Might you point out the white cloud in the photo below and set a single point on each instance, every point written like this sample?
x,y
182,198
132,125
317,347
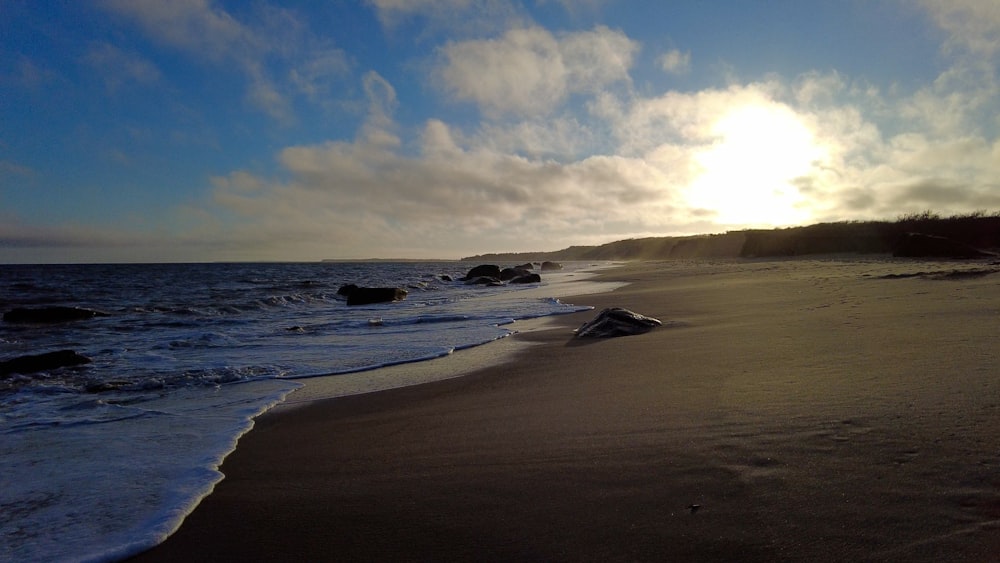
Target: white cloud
x,y
643,124
463,192
379,129
210,34
530,71
675,61
314,77
931,161
451,201
192,25
562,137
457,195
901,152
972,25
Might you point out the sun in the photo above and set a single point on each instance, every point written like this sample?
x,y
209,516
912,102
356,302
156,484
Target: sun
x,y
746,176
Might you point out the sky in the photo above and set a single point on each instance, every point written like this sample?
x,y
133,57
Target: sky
x,y
217,130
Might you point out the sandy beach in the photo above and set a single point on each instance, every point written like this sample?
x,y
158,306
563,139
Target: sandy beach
x,y
789,410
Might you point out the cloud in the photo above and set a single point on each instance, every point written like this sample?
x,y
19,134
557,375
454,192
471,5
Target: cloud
x,y
972,25
315,76
873,155
378,129
466,18
929,161
456,194
194,26
675,61
449,199
809,148
686,118
574,7
119,68
308,64
530,71
561,137
900,152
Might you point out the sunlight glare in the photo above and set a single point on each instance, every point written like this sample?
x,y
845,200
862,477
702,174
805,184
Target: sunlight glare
x,y
747,173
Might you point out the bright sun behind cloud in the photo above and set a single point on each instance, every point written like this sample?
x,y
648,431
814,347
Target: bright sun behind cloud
x,y
747,173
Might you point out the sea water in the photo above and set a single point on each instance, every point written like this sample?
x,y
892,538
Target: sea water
x,y
103,460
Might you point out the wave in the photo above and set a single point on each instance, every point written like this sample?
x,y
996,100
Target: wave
x,y
190,354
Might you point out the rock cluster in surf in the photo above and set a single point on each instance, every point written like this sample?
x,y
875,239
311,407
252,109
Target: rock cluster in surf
x,y
493,275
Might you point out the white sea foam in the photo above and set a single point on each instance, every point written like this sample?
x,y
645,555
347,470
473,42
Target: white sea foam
x,y
77,492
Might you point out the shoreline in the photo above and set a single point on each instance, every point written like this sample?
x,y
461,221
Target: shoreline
x,y
789,410
461,362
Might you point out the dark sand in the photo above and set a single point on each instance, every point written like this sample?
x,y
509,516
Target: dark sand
x,y
790,410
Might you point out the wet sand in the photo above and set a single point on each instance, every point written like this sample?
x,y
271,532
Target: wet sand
x,y
788,410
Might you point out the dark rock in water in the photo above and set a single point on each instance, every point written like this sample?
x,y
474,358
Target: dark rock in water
x,y
347,289
527,278
484,280
526,266
42,362
617,322
511,273
446,277
919,245
104,386
367,295
546,266
484,270
50,315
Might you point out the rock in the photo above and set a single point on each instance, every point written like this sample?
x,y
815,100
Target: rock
x,y
484,280
527,278
919,245
511,273
484,270
546,266
42,362
617,322
46,315
367,295
104,386
446,278
526,266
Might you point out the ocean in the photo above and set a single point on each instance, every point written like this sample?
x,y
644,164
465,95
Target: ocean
x,y
104,460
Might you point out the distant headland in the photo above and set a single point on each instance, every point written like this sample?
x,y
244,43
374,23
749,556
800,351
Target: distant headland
x,y
926,234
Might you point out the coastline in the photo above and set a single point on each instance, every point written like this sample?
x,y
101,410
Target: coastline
x,y
790,410
582,282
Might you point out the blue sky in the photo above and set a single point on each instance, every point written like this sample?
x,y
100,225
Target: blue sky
x,y
190,130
